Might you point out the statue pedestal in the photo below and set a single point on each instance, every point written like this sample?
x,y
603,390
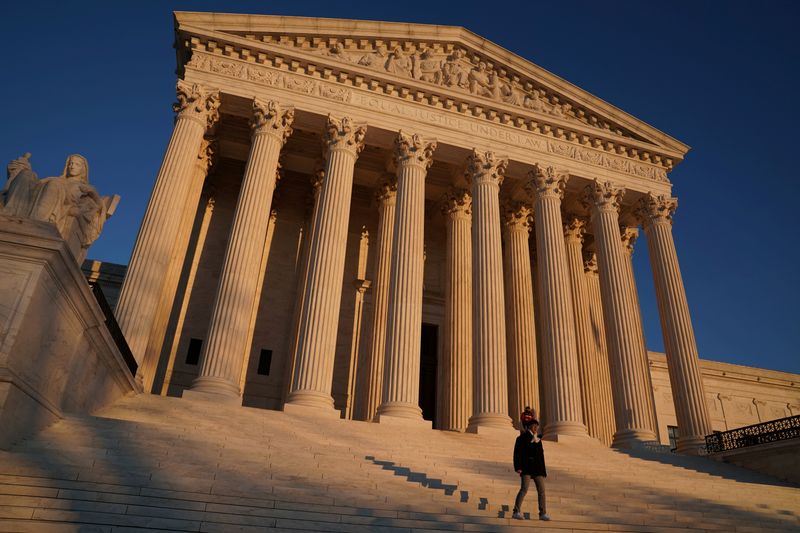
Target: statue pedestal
x,y
56,353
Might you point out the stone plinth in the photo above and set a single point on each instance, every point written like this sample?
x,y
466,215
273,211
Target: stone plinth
x,y
56,354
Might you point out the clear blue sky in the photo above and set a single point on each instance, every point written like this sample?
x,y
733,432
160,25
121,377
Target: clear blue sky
x,y
722,76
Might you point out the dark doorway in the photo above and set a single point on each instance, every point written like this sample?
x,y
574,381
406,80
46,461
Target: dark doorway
x,y
427,371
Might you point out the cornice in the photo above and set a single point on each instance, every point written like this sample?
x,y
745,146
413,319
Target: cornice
x,y
740,373
212,32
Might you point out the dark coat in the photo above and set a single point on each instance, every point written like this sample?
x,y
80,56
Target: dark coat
x,y
529,456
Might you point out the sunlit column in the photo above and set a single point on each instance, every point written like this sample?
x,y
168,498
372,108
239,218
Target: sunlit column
x,y
197,110
400,395
316,343
633,404
229,334
559,358
676,324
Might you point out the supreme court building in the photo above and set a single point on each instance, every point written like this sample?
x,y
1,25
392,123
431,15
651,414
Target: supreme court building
x,y
399,221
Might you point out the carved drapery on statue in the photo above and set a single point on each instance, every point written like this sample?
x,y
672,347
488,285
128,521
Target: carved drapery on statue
x,y
67,201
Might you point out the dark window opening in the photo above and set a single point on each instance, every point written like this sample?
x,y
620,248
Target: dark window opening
x,y
427,371
193,354
673,433
264,362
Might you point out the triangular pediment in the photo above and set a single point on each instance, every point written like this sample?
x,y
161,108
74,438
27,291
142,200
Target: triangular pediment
x,y
444,66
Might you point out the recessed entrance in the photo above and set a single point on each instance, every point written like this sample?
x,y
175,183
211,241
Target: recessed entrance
x,y
427,371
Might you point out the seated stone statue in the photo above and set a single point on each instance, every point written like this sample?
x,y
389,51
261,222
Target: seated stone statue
x,y
67,201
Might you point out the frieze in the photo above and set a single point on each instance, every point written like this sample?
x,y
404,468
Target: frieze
x,y
248,71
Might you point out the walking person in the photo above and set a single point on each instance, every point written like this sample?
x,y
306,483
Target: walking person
x,y
529,464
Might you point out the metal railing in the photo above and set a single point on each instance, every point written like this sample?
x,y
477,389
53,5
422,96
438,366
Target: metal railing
x,y
113,328
764,433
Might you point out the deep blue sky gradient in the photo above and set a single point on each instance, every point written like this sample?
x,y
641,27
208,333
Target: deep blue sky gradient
x,y
98,78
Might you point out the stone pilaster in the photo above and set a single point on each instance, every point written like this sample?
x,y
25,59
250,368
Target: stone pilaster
x,y
400,395
605,399
372,385
319,318
559,360
523,388
587,360
229,334
485,172
197,110
676,324
455,386
633,406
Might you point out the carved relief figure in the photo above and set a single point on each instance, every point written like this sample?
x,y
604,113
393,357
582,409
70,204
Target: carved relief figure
x,y
398,63
427,67
453,73
376,59
479,81
59,200
336,51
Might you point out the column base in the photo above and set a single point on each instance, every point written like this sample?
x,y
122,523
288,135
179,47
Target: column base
x,y
310,398
483,422
405,410
216,387
564,431
203,396
691,445
632,438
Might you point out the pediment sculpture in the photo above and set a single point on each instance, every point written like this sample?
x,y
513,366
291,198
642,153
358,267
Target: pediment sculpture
x,y
67,201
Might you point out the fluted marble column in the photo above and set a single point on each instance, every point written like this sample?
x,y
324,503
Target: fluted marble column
x,y
485,172
370,392
316,342
229,335
676,324
605,399
628,237
400,395
197,110
587,360
455,386
155,342
560,361
633,406
523,388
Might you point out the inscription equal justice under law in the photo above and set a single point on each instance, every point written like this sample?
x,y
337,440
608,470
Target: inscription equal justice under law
x,y
302,84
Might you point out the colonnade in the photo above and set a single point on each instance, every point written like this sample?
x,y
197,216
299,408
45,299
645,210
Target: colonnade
x,y
592,346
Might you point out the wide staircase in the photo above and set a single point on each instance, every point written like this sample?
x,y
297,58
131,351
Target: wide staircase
x,y
151,463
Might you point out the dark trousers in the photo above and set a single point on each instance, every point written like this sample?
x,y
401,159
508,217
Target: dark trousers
x,y
525,481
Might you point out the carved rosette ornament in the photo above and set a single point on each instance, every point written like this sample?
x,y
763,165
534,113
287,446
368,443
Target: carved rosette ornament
x,y
574,229
269,117
197,102
547,182
486,167
413,150
457,202
657,209
344,134
517,216
604,195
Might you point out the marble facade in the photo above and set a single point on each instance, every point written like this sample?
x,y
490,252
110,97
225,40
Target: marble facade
x,y
405,223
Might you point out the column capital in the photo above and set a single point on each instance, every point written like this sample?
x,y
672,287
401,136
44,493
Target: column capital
x,y
517,216
344,134
629,234
590,262
207,156
603,195
412,149
387,190
269,117
318,175
657,209
574,229
457,202
197,102
485,167
546,182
